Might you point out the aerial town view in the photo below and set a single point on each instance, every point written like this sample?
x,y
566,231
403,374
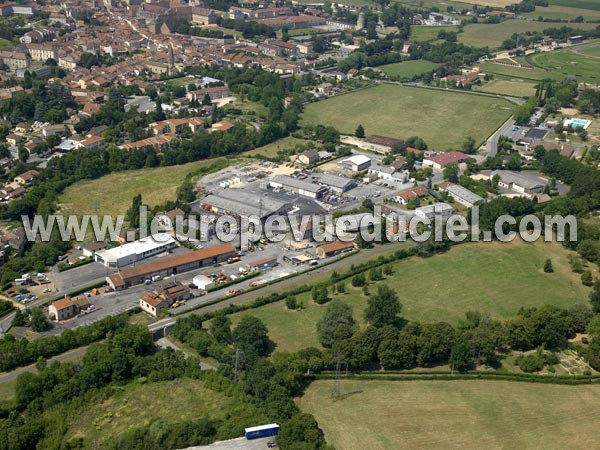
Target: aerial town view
x,y
299,224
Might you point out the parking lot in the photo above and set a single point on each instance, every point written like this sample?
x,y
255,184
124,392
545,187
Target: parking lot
x,y
236,444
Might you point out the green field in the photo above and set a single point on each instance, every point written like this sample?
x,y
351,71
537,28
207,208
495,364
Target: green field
x,y
553,12
583,4
409,69
572,61
5,43
592,50
137,405
444,119
7,390
112,194
517,88
495,278
423,33
492,35
287,143
509,72
454,415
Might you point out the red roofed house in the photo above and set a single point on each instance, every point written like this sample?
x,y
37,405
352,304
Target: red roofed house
x,y
67,307
407,195
443,159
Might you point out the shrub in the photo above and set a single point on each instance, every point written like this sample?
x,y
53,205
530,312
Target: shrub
x,y
291,302
552,359
531,363
358,280
587,279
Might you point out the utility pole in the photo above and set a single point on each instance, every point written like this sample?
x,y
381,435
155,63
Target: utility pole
x,y
339,360
238,358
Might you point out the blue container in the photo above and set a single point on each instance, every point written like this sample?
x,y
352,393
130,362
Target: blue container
x,y
261,431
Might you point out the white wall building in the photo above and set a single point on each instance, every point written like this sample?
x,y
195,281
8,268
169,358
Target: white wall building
x,y
132,252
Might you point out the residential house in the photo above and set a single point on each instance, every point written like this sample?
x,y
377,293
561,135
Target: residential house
x,y
404,197
26,177
309,157
443,159
164,297
67,307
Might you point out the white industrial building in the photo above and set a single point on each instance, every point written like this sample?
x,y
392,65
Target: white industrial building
x,y
463,196
357,163
300,187
203,282
132,252
441,210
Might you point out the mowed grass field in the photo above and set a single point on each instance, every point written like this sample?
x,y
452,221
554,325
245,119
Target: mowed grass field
x,y
465,414
112,194
444,119
495,278
535,74
409,69
554,12
584,4
492,35
422,33
270,150
572,61
518,88
137,405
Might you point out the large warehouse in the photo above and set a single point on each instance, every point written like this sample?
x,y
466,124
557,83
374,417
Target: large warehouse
x,y
300,187
172,265
240,203
133,252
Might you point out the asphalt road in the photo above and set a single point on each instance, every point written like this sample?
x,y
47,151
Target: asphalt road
x,y
492,142
76,353
288,283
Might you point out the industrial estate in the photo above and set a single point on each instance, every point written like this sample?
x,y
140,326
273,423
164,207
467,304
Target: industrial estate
x,y
188,128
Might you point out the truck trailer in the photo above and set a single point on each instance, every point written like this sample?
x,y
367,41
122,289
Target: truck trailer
x,y
261,431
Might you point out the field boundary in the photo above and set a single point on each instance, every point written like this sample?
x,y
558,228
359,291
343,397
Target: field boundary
x,y
475,375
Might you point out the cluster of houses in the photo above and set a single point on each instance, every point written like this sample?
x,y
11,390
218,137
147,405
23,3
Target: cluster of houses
x,y
17,187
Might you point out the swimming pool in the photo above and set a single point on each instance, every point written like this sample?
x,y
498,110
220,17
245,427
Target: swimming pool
x,y
577,123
